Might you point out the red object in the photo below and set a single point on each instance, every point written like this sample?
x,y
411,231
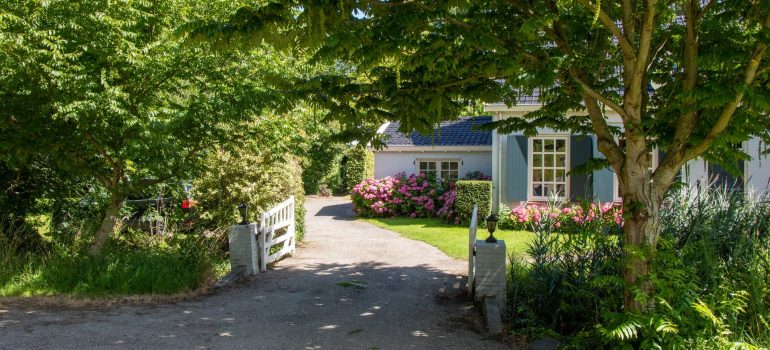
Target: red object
x,y
186,204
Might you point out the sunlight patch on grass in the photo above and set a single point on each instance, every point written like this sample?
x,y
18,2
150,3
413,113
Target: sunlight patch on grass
x,y
450,239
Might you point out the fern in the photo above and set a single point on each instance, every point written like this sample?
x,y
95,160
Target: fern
x,y
627,330
705,311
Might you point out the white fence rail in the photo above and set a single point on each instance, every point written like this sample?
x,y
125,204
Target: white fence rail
x,y
281,216
472,250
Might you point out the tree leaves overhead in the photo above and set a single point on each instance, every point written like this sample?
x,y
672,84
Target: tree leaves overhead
x,y
422,62
109,87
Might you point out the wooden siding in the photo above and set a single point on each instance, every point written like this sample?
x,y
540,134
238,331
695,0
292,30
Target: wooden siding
x,y
516,169
581,183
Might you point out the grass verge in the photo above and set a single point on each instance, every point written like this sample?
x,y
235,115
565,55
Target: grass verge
x,y
136,266
450,239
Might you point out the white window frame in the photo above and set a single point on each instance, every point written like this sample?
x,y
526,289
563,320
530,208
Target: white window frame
x,y
438,161
616,183
567,165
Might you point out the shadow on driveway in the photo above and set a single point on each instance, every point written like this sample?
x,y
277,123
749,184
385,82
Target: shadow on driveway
x,y
363,305
343,212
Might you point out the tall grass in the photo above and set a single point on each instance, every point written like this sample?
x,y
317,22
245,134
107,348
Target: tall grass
x,y
131,264
721,238
711,276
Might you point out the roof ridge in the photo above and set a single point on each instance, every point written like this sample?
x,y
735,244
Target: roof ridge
x,y
458,132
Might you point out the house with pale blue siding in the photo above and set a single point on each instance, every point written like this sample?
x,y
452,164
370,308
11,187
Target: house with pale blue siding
x,y
531,169
454,149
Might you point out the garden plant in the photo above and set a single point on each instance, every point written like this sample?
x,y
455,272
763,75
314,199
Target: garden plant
x,y
711,277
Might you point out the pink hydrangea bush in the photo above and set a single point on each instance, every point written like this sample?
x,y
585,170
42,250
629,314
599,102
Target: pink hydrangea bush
x,y
416,196
374,198
569,218
412,196
447,210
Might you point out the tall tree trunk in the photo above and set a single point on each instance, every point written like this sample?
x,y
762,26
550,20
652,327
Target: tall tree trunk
x,y
641,232
108,224
642,201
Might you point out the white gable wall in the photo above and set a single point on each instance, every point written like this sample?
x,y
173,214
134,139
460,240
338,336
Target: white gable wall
x,y
696,171
758,168
391,163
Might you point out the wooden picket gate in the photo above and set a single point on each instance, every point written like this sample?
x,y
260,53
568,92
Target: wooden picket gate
x,y
281,216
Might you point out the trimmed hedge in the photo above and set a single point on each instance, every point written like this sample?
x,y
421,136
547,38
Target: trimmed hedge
x,y
470,192
357,166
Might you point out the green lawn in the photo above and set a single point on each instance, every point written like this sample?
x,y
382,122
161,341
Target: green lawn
x,y
450,239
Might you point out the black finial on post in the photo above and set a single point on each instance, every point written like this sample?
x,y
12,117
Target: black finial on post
x,y
491,225
243,209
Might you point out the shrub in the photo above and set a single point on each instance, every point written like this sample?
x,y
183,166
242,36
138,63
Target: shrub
x,y
321,168
357,165
130,264
568,218
711,277
447,200
568,279
505,218
242,176
418,195
470,193
372,197
325,191
413,196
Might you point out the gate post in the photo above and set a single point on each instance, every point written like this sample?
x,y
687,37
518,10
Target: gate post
x,y
490,282
243,247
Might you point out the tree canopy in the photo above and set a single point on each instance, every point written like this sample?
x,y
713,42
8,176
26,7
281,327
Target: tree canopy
x,y
690,77
115,92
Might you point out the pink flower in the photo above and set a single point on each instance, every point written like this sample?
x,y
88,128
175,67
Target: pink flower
x,y
536,217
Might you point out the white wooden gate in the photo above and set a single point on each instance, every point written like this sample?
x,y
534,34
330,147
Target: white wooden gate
x,y
472,250
281,216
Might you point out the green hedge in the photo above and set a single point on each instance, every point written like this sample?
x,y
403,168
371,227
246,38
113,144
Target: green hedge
x,y
357,165
322,168
470,192
244,176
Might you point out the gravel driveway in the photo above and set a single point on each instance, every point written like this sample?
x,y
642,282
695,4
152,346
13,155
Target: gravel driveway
x,y
350,286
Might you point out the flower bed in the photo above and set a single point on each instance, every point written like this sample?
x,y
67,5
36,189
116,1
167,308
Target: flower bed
x,y
420,196
416,196
569,218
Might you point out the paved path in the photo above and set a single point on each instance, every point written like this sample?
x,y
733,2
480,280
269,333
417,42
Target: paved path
x,y
349,286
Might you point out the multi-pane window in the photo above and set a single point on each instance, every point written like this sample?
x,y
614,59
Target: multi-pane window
x,y
447,170
428,168
450,171
549,164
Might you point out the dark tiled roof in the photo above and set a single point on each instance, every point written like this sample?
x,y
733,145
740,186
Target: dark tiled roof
x,y
453,133
533,99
